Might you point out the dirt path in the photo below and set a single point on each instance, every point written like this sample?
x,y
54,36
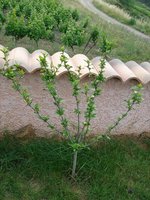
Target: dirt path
x,y
89,5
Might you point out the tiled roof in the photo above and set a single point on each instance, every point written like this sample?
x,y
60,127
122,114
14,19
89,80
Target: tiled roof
x,y
114,69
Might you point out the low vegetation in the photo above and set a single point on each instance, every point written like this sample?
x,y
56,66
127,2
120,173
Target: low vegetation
x,y
36,169
126,46
136,8
46,20
147,2
76,136
137,21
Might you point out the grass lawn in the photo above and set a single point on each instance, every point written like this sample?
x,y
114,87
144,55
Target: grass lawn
x,y
38,169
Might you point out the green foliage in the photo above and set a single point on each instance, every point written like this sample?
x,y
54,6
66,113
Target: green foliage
x,y
124,49
146,2
36,30
134,7
44,19
2,18
127,3
74,36
38,169
5,4
16,26
136,15
106,46
75,138
75,15
93,39
132,21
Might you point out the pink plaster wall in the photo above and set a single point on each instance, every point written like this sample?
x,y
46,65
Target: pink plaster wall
x,y
14,114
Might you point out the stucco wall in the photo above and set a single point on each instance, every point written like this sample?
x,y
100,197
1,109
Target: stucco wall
x,y
14,114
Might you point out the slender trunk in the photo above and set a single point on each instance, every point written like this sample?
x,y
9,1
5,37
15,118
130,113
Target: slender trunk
x,y
37,44
15,41
86,45
72,49
90,48
75,156
78,117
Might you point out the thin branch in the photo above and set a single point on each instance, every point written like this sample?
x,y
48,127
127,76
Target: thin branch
x,y
20,90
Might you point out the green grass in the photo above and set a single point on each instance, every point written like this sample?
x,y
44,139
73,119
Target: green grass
x,y
137,8
125,17
38,169
112,11
126,46
146,2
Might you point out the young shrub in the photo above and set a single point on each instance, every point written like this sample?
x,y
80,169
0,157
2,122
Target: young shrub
x,y
74,36
132,21
36,29
93,38
75,15
5,4
15,26
2,18
76,139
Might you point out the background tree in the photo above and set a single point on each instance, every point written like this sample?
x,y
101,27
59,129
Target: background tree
x,y
75,15
2,17
93,38
46,19
5,4
36,30
74,36
15,26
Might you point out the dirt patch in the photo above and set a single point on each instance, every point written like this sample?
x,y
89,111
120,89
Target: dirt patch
x,y
28,132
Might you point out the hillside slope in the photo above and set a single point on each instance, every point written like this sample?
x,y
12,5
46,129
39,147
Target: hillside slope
x,y
98,3
125,45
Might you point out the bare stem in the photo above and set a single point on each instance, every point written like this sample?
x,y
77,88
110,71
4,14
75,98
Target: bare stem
x,y
90,48
78,115
15,83
75,156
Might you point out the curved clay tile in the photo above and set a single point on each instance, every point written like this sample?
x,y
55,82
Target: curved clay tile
x,y
146,66
109,71
122,70
34,63
139,71
56,62
115,68
19,56
81,60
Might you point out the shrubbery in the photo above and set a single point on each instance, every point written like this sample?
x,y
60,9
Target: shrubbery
x,y
48,20
76,138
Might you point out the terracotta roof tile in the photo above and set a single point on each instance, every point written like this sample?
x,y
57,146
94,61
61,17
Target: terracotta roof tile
x,y
139,71
81,60
34,63
113,69
55,58
120,67
146,66
109,70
